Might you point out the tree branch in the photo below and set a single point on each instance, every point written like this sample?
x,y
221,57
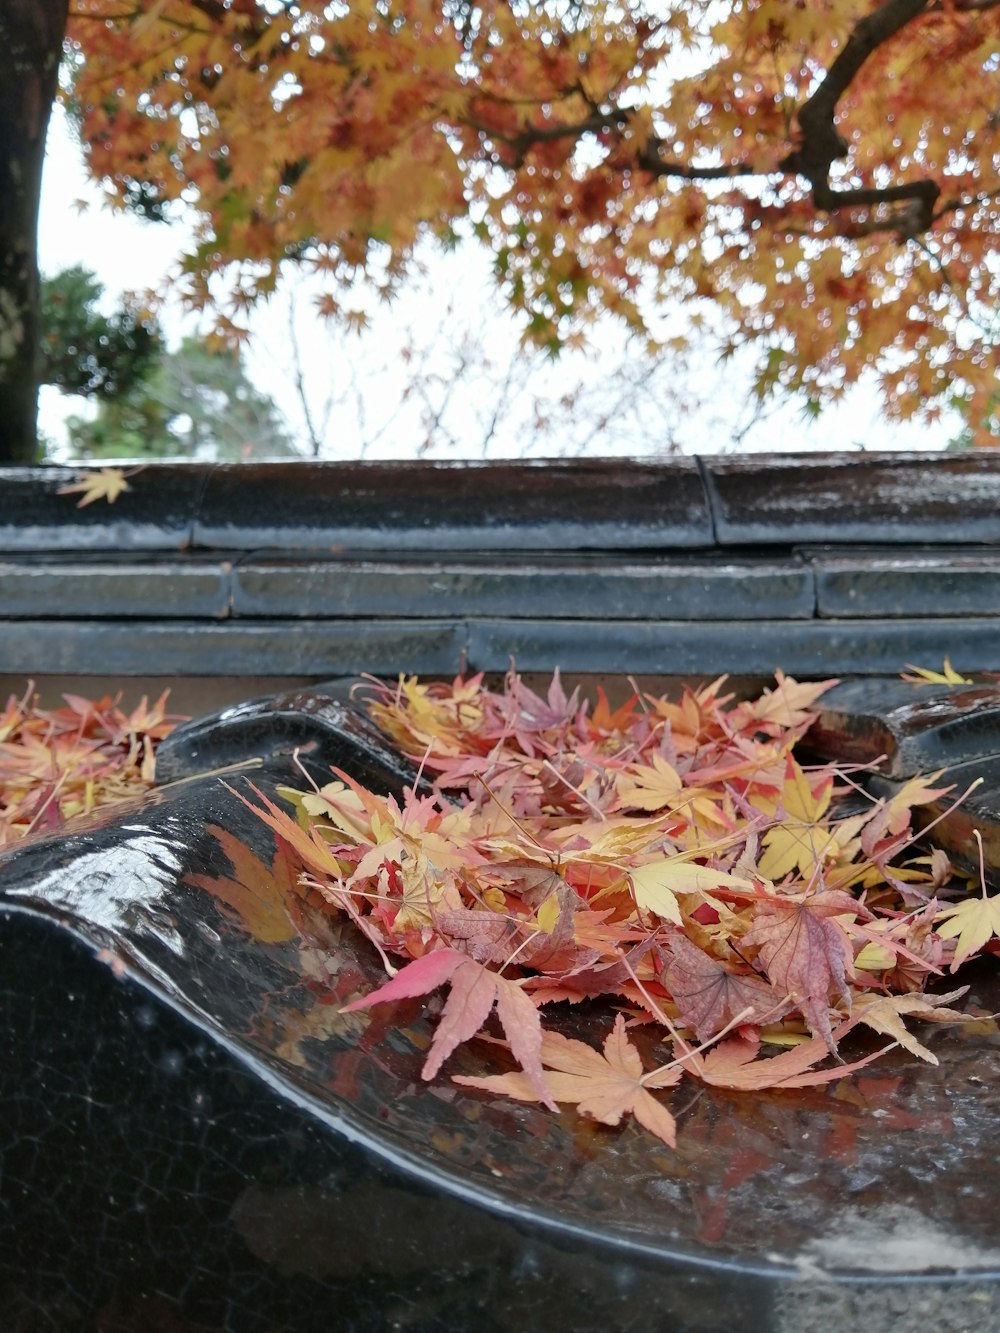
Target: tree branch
x,y
650,160
822,145
521,143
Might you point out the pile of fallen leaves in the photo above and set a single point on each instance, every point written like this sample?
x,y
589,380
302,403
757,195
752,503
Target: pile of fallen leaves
x,y
674,858
56,763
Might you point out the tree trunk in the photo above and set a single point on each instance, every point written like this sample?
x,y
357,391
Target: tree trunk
x,y
31,37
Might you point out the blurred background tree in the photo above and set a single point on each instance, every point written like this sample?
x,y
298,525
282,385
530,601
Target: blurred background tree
x,y
81,350
193,403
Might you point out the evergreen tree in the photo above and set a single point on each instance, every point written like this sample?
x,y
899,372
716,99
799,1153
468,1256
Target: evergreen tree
x,y
82,351
195,403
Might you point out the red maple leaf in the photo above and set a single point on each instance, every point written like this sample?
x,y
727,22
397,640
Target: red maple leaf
x,y
709,993
806,952
474,991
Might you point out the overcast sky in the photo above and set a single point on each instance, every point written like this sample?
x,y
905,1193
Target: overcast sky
x,y
438,372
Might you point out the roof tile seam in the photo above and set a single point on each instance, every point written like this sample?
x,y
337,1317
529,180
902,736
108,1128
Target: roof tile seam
x,y
711,498
207,474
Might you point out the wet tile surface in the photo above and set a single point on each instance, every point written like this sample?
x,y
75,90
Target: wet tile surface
x,y
196,1133
891,499
226,648
817,649
706,565
156,513
533,585
274,728
546,506
76,586
870,582
907,731
917,728
252,646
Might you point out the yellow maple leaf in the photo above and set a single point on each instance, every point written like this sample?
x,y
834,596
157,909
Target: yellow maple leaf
x,y
802,839
947,676
656,884
974,922
107,483
653,786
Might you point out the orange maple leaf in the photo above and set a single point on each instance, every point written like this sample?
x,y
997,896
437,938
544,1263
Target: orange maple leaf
x,y
604,719
257,894
735,1064
603,1086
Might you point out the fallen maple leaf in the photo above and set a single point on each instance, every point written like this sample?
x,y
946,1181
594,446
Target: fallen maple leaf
x,y
946,676
734,1063
801,839
974,922
474,991
603,1086
653,786
656,885
534,859
787,705
107,483
258,895
307,843
709,994
806,952
884,1013
56,763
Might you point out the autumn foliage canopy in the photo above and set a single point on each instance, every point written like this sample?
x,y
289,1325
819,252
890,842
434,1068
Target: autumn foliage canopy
x,y
816,179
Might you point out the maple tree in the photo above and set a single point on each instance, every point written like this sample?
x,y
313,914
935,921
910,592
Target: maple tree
x,y
822,173
83,351
672,857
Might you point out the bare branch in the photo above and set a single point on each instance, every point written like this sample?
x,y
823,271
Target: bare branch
x,y
298,376
521,143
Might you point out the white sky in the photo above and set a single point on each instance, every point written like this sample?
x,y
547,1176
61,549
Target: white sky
x,y
438,373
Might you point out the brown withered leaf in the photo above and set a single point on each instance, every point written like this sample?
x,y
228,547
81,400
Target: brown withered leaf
x,y
255,894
